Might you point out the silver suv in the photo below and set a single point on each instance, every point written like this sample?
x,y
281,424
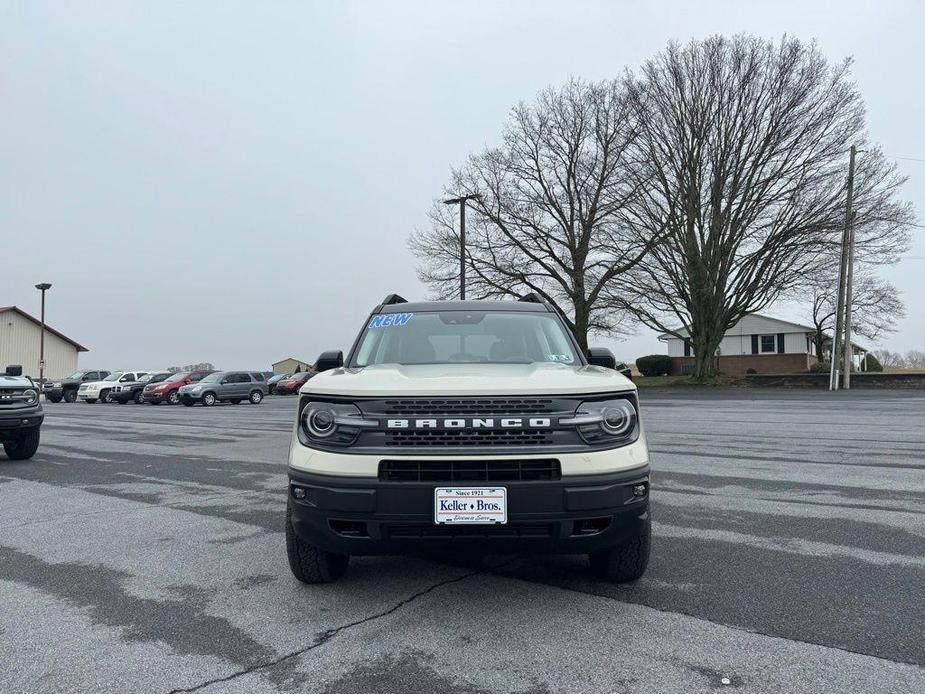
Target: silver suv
x,y
226,386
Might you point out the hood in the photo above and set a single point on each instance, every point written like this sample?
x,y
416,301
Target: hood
x,y
14,382
468,379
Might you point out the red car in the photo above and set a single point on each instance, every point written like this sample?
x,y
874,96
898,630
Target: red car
x,y
168,391
293,383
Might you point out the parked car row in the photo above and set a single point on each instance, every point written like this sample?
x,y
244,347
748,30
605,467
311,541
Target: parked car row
x,y
203,387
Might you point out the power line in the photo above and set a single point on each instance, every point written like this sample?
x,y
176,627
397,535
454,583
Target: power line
x,y
891,156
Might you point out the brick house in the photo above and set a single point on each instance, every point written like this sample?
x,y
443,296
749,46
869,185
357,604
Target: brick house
x,y
767,345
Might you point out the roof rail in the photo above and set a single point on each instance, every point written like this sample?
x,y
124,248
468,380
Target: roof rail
x,y
394,299
532,298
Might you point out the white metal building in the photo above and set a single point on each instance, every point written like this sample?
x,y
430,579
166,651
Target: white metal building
x,y
20,337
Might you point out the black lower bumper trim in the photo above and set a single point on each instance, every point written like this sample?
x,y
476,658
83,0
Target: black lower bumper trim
x,y
368,516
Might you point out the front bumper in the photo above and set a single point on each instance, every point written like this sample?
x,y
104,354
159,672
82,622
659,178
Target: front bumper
x,y
14,422
369,516
155,397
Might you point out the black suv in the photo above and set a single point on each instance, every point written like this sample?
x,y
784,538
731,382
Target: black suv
x,y
134,390
66,388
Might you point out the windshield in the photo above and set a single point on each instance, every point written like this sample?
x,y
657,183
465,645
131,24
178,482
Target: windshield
x,y
463,337
76,375
154,378
177,377
212,378
114,376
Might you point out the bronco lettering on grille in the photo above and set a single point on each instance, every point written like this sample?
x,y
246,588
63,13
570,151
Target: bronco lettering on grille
x,y
471,423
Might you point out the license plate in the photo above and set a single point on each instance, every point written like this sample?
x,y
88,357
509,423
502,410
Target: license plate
x,y
475,505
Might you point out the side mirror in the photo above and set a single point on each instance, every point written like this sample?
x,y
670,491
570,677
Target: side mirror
x,y
333,359
14,370
601,356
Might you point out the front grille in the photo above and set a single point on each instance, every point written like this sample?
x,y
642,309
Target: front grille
x,y
473,406
426,531
469,470
476,437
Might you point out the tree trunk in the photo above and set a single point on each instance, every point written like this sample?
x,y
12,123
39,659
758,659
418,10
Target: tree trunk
x,y
582,319
817,344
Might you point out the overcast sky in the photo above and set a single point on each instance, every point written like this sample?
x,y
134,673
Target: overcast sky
x,y
236,182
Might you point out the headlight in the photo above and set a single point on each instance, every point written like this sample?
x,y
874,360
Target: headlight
x,y
606,421
30,396
332,423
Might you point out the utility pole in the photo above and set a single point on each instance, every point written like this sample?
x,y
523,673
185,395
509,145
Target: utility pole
x,y
849,350
461,201
42,287
842,278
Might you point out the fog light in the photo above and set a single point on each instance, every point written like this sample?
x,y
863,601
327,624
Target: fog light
x,y
640,489
298,492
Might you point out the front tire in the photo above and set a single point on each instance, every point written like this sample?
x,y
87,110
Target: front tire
x,y
256,397
208,399
138,398
308,563
70,395
106,397
624,562
173,397
24,447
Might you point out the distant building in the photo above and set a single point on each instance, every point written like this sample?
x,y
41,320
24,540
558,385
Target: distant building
x,y
20,338
289,365
767,345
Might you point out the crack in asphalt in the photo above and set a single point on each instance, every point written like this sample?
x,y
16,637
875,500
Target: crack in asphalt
x,y
325,636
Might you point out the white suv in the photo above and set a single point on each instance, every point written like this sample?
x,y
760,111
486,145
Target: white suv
x,y
467,425
92,391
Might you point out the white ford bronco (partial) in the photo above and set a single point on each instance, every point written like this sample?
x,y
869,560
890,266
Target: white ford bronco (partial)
x,y
467,426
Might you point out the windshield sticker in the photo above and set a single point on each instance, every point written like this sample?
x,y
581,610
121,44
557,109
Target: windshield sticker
x,y
390,320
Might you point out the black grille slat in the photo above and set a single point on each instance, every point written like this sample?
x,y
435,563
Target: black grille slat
x,y
469,470
416,407
469,437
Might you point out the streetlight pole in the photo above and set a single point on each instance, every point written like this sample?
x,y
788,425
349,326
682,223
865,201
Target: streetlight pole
x,y
461,201
42,287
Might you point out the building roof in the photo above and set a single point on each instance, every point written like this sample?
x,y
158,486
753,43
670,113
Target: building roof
x,y
802,328
16,309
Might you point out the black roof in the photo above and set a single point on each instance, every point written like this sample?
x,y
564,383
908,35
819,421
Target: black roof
x,y
415,306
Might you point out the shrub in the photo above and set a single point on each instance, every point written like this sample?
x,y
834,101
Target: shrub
x,y
873,364
654,365
821,367
750,371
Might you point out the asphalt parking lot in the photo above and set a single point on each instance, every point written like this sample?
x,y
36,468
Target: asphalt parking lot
x,y
142,550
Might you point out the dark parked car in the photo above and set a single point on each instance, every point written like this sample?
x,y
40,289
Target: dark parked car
x,y
66,388
226,386
168,390
21,414
272,381
134,391
292,384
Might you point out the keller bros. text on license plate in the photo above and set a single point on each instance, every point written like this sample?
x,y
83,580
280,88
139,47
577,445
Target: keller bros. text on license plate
x,y
470,505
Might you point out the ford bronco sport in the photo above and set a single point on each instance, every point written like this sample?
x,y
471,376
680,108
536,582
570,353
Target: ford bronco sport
x,y
467,426
20,414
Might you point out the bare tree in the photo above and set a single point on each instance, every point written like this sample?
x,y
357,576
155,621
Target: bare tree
x,y
915,359
891,360
744,143
876,306
550,217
